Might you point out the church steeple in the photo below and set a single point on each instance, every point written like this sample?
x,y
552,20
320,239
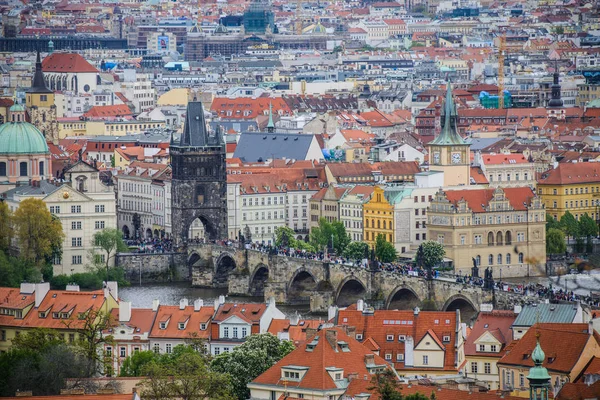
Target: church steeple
x,y
38,85
539,379
449,136
556,100
271,124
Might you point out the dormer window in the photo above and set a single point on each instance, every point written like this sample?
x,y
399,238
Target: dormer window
x,y
203,327
55,315
482,347
390,338
163,325
493,348
359,336
65,315
446,339
181,326
42,314
401,338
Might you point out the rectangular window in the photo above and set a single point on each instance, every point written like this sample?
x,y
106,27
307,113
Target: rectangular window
x,y
122,352
473,367
493,348
75,209
425,360
109,351
487,368
235,332
226,332
76,260
76,242
99,225
99,208
168,348
245,330
54,209
76,225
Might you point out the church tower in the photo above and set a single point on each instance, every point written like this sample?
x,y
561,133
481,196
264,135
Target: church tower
x,y
199,180
539,380
449,152
555,105
40,103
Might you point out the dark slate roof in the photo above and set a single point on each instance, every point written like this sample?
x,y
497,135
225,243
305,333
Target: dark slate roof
x,y
195,133
254,146
38,85
481,143
44,188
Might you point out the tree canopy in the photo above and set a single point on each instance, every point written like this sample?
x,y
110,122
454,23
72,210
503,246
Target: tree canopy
x,y
248,361
587,226
555,241
357,251
110,242
6,228
321,236
569,224
430,254
385,251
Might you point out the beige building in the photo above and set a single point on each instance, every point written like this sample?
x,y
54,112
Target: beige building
x,y
68,127
500,229
84,206
507,170
324,204
351,210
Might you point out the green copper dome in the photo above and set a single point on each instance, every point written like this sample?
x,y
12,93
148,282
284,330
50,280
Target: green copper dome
x,y
17,108
21,138
538,372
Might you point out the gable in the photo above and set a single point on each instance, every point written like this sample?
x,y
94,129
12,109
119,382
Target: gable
x,y
65,194
428,342
234,319
487,338
81,167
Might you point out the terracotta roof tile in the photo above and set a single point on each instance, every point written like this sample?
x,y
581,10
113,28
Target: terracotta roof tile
x,y
67,62
496,322
173,316
478,197
119,110
571,173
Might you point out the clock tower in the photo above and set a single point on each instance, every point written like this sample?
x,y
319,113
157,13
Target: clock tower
x,y
448,152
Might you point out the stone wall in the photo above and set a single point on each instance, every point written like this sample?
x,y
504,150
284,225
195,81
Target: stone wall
x,y
163,267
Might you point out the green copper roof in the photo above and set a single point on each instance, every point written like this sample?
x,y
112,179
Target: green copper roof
x,y
538,372
271,124
17,108
21,138
449,136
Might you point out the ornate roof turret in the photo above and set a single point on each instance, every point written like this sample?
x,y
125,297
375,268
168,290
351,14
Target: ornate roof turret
x,y
38,84
271,124
556,100
449,136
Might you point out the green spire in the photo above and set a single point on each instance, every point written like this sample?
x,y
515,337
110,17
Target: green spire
x,y
271,124
538,373
449,136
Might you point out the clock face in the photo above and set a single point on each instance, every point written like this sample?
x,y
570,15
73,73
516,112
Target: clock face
x,y
455,158
436,157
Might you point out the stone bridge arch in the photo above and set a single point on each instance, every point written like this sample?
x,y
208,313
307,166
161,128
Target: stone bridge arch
x,y
224,264
258,280
349,291
403,298
468,310
302,283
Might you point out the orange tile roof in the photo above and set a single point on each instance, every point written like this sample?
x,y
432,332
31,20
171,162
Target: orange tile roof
x,y
297,333
563,344
367,169
400,322
324,354
173,315
357,135
251,312
141,318
14,299
478,197
579,391
62,301
478,176
571,173
75,397
498,159
67,62
118,110
248,108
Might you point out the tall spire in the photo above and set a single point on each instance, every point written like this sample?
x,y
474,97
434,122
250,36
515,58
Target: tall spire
x,y
539,379
271,124
38,85
449,135
556,100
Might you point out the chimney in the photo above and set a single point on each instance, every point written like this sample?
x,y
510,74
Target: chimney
x,y
517,309
112,288
351,331
27,288
216,305
369,359
221,299
331,336
310,332
183,303
294,319
198,303
124,311
72,287
155,304
331,312
417,311
409,351
41,290
271,302
134,394
360,305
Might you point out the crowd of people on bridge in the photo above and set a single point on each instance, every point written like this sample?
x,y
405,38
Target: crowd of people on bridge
x,y
150,245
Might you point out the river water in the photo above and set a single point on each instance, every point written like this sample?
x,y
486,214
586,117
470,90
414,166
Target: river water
x,y
171,293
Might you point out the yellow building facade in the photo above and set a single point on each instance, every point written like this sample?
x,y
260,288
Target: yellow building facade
x,y
378,218
571,186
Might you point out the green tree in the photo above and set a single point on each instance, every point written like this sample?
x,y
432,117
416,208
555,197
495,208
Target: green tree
x,y
188,379
388,387
555,241
569,224
321,236
36,340
6,228
38,233
356,250
385,251
13,271
552,223
587,226
248,361
134,364
430,254
110,242
284,236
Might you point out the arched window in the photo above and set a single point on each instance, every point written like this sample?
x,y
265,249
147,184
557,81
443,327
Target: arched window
x,y
478,260
499,239
23,168
2,168
199,195
378,224
490,239
507,258
520,258
41,168
491,259
499,259
508,238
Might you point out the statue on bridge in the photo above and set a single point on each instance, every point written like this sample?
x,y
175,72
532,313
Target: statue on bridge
x,y
488,281
475,269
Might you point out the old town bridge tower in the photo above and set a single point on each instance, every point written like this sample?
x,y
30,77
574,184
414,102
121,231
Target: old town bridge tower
x,y
199,180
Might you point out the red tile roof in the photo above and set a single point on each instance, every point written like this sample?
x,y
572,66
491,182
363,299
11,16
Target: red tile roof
x,y
478,176
498,159
477,198
67,62
563,344
248,108
579,391
141,318
297,333
320,352
498,323
571,173
75,397
399,322
251,312
173,315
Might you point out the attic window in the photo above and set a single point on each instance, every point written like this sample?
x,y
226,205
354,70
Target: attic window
x,y
551,360
203,327
446,339
525,356
42,315
163,325
55,315
401,338
181,326
359,336
344,347
390,338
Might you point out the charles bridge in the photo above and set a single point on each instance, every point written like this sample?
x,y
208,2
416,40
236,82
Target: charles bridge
x,y
293,280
